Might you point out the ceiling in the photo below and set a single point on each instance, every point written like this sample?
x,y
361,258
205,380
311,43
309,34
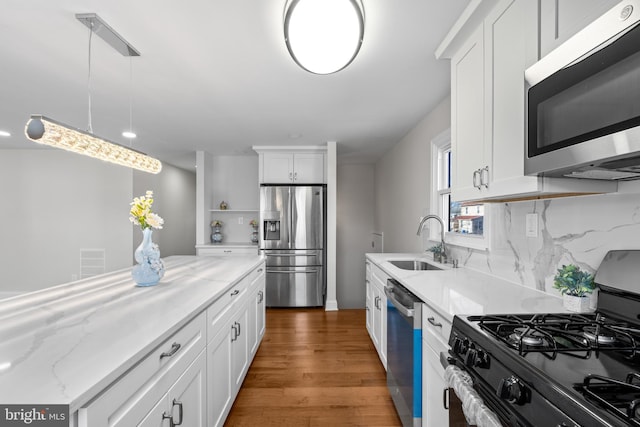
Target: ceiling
x,y
215,75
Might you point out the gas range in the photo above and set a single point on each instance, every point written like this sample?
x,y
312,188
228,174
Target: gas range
x,y
560,369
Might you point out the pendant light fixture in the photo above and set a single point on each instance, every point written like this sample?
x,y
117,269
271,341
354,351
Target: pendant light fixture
x,y
323,36
46,131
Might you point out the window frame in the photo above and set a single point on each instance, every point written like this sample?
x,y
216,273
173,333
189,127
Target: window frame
x,y
439,145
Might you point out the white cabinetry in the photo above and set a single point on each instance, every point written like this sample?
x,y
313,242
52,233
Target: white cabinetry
x,y
166,385
377,312
435,335
226,250
236,322
561,19
489,54
286,165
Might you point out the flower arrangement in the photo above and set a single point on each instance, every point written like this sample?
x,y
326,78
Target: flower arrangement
x,y
253,223
140,213
216,223
570,280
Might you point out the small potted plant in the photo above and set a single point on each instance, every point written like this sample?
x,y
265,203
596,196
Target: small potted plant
x,y
575,286
437,252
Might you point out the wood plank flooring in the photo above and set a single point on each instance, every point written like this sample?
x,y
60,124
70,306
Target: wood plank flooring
x,y
315,368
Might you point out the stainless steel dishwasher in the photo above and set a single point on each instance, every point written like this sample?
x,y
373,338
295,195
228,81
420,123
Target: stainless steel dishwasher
x,y
404,352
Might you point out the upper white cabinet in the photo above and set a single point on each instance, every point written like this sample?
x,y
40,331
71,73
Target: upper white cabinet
x,y
292,165
490,47
560,19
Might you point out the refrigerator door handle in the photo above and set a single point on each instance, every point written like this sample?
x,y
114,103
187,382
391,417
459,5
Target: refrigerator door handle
x,y
290,255
291,271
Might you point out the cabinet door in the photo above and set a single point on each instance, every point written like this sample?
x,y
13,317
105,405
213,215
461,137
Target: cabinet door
x,y
277,168
510,46
260,316
187,397
239,348
369,306
308,168
219,384
467,118
158,416
434,413
561,19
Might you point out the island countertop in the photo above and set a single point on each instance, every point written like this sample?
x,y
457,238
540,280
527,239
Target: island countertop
x,y
65,344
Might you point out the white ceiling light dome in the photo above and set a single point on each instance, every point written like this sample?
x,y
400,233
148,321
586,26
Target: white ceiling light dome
x,y
323,36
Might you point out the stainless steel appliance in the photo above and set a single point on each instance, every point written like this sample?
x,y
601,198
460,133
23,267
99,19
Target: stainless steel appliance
x,y
560,369
583,102
404,352
292,237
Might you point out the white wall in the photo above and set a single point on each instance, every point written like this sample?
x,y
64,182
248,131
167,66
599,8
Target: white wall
x,y
174,192
355,221
53,204
403,180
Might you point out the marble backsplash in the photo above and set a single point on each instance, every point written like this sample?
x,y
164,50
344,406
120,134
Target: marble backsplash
x,y
574,230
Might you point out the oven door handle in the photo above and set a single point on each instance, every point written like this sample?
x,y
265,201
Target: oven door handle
x,y
408,312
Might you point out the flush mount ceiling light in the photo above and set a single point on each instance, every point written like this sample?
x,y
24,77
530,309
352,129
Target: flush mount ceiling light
x,y
323,36
46,131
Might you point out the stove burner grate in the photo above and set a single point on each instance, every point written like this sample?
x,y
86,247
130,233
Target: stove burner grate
x,y
620,397
574,334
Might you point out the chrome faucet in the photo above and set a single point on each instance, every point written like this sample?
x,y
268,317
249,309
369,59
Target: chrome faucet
x,y
436,217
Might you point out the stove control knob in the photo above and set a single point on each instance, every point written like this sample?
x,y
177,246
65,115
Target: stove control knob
x,y
512,390
460,346
471,357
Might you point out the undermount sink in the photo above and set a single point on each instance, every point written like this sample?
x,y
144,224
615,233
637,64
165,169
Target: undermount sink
x,y
414,265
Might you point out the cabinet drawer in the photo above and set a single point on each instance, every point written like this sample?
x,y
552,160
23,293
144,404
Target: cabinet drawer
x,y
379,275
231,298
367,270
137,391
435,325
227,251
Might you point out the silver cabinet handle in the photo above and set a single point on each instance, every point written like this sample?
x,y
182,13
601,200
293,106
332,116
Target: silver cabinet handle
x,y
239,329
174,349
180,413
432,320
235,333
484,172
295,176
260,270
235,292
166,416
476,176
290,176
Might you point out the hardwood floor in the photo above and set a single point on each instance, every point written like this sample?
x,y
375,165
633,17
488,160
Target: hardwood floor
x,y
315,368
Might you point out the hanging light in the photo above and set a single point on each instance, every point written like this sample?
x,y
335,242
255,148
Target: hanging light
x,y
323,36
49,132
46,131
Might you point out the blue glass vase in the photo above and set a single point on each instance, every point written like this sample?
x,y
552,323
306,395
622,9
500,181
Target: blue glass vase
x,y
150,267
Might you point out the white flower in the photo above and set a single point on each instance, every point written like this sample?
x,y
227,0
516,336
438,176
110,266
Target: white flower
x,y
155,221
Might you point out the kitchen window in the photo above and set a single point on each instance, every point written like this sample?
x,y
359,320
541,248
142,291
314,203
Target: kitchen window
x,y
466,223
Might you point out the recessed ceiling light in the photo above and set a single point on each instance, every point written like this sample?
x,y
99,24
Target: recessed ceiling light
x,y
4,133
128,134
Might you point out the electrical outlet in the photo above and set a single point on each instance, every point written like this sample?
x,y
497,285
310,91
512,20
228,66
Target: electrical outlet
x,y
240,220
531,225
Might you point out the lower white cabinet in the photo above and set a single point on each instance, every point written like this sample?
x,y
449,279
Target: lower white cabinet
x,y
435,334
226,250
185,402
193,377
377,311
175,370
238,332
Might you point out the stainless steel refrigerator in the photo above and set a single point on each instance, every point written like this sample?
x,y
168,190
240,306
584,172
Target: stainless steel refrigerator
x,y
292,238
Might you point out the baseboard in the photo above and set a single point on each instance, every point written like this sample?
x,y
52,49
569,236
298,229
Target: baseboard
x,y
331,305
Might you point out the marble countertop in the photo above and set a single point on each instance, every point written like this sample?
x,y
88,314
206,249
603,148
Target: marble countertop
x,y
65,344
454,291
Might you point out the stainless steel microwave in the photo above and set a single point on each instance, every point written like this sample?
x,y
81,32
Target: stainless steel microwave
x,y
583,102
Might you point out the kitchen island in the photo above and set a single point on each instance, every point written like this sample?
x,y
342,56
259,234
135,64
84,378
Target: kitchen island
x,y
72,344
